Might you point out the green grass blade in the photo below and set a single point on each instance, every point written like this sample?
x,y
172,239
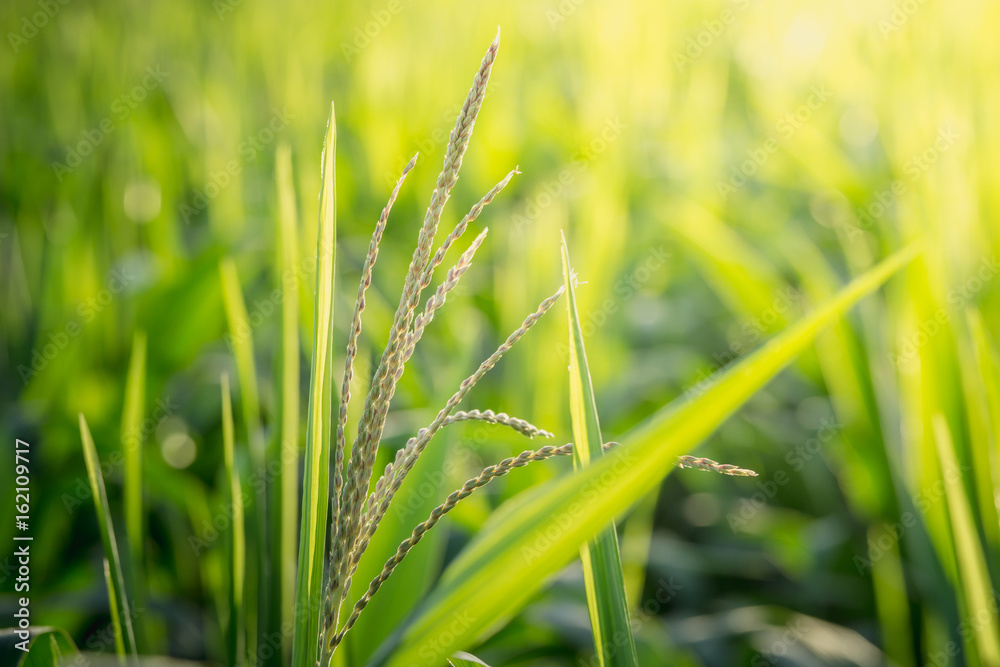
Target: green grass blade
x,y
498,574
602,564
984,431
283,534
892,604
973,576
316,487
241,336
242,341
121,611
235,630
131,435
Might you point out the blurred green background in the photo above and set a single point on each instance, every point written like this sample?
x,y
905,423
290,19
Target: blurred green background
x,y
718,168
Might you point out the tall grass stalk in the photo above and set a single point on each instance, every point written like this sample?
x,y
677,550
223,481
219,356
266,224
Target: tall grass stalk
x,y
118,601
258,569
602,564
132,443
286,451
236,565
316,485
973,575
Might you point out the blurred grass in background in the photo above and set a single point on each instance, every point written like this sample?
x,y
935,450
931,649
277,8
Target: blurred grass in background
x,y
718,168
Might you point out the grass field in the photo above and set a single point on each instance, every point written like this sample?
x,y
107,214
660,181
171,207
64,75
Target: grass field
x,y
742,187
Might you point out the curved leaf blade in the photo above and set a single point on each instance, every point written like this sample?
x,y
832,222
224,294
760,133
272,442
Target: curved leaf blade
x,y
121,613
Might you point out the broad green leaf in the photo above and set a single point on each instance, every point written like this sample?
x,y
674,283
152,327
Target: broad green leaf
x,y
132,441
316,485
121,610
287,444
46,647
602,563
499,573
235,629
